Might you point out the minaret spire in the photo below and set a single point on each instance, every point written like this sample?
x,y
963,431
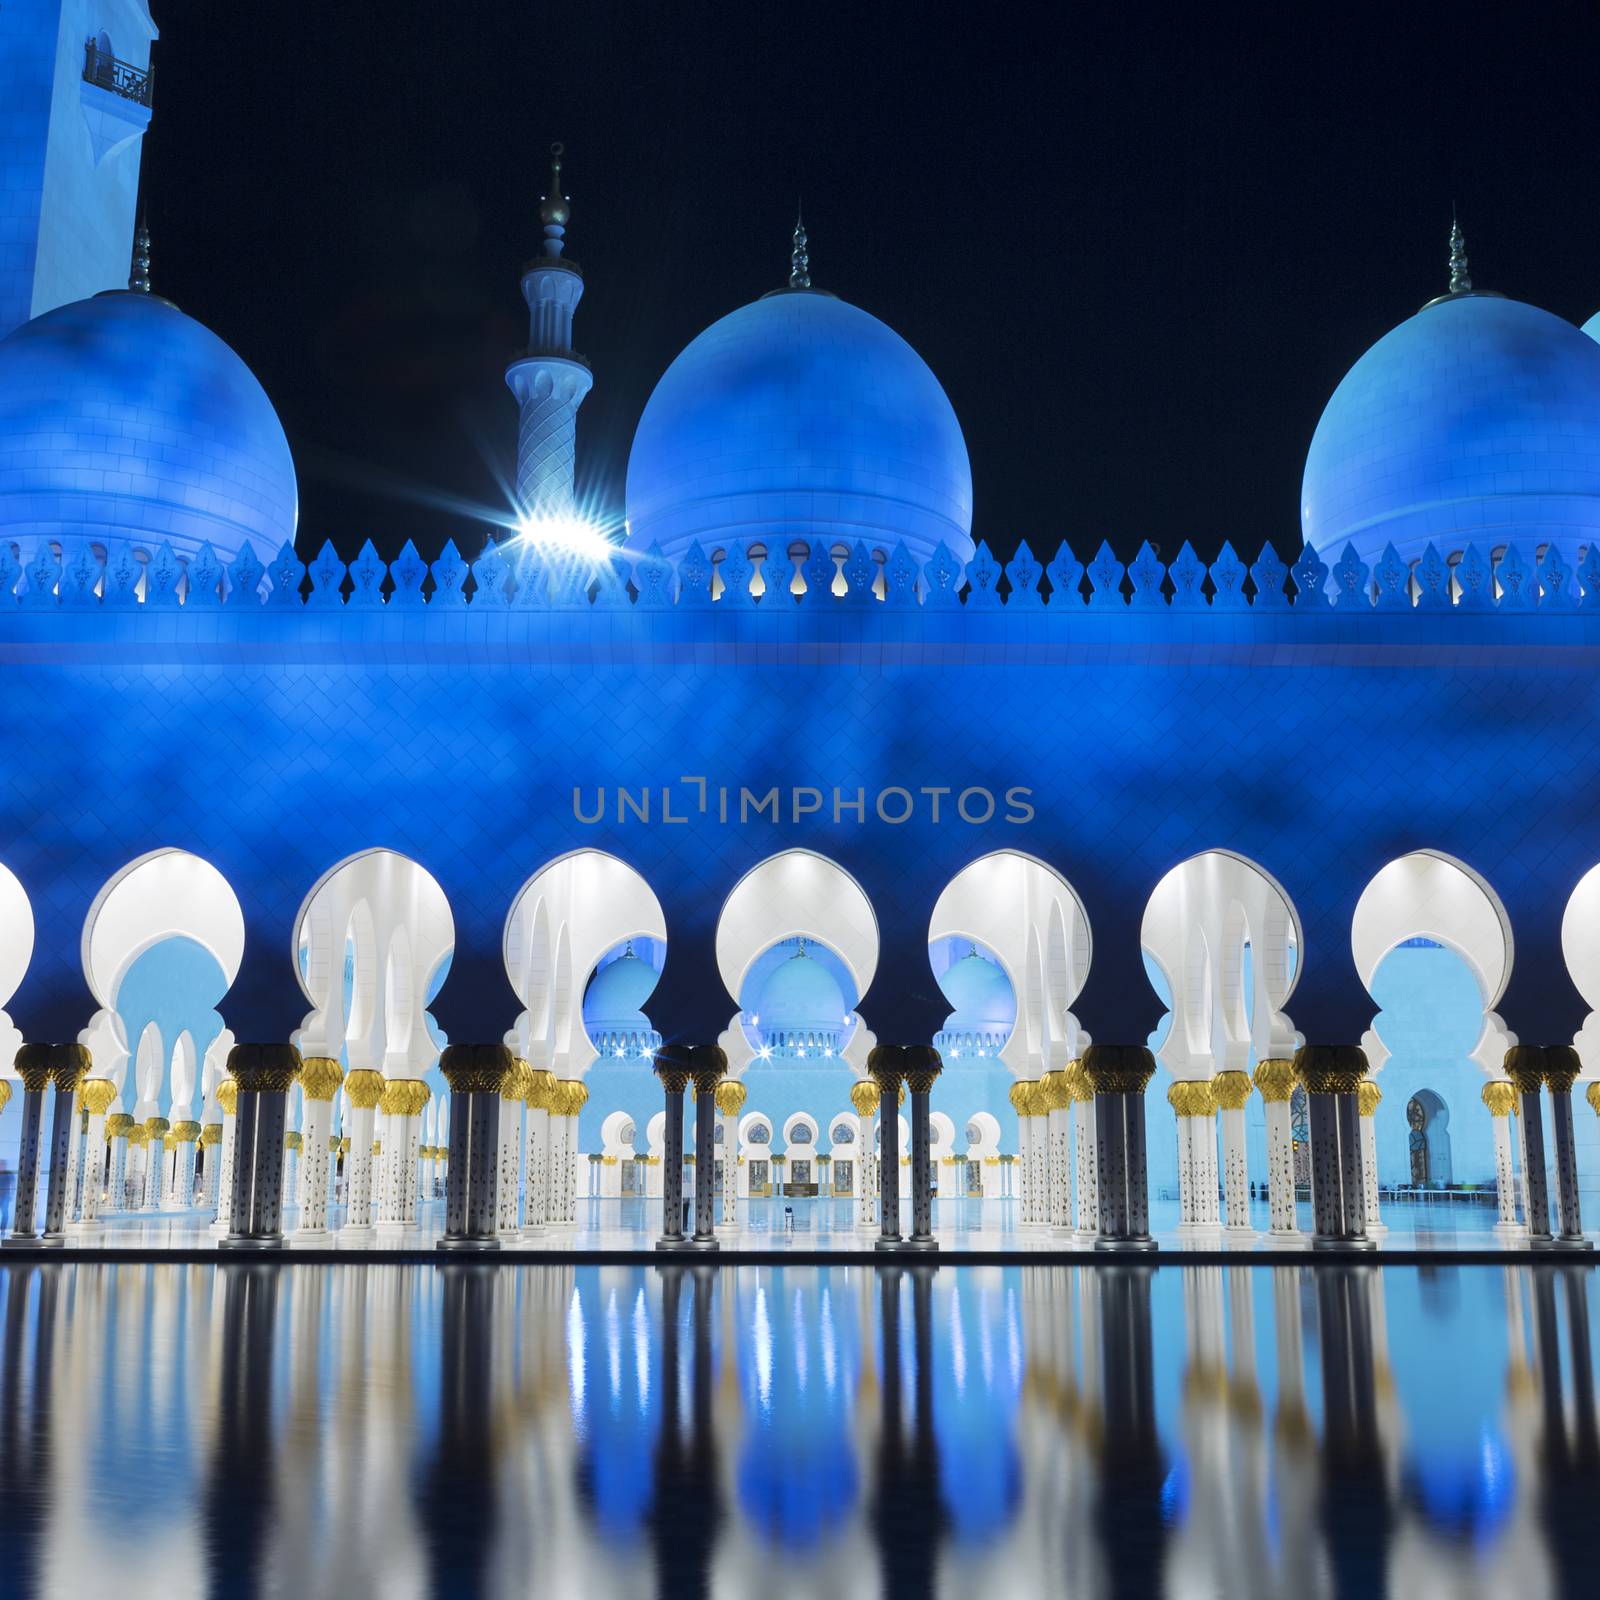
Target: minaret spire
x,y
139,275
1460,273
550,379
799,258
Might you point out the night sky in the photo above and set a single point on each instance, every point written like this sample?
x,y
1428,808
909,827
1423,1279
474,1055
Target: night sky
x,y
1138,245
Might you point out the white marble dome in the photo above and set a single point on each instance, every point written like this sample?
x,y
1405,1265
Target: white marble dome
x,y
122,419
796,416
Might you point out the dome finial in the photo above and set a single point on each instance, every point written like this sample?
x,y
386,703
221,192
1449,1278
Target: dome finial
x,y
555,213
139,275
1460,274
799,259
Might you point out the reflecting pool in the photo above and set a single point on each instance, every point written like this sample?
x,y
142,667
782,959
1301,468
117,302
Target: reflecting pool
x,y
851,1431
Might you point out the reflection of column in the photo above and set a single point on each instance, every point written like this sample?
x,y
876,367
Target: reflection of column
x,y
96,1095
1501,1098
1355,1507
883,1066
1196,1108
320,1077
1231,1091
1368,1095
730,1102
1086,1189
1524,1066
1118,1075
1132,1472
68,1064
239,1504
536,1158
264,1073
709,1065
864,1099
922,1066
118,1126
228,1100
1331,1075
28,1396
364,1089
1561,1069
672,1067
508,1183
1275,1079
476,1073
33,1068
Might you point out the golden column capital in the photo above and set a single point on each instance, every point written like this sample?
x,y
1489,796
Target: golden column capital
x,y
1192,1097
1078,1081
264,1068
97,1095
1231,1090
1561,1067
1330,1068
731,1095
137,1136
210,1134
185,1132
476,1068
320,1077
574,1096
60,1064
364,1088
543,1091
1368,1094
517,1081
228,1097
292,1141
1592,1095
119,1125
157,1127
1524,1066
1118,1068
1499,1096
1275,1079
5,1093
1018,1096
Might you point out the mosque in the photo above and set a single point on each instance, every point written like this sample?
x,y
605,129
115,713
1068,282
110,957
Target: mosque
x,y
801,766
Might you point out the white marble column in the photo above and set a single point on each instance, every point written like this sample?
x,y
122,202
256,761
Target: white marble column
x,y
211,1143
1501,1099
320,1077
118,1126
1196,1106
864,1100
1020,1092
564,1183
156,1131
1056,1087
95,1095
1368,1095
508,1182
363,1089
731,1096
536,1154
228,1100
1086,1176
1275,1081
185,1137
404,1100
1231,1091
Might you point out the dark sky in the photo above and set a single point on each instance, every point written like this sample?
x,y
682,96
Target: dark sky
x,y
1139,245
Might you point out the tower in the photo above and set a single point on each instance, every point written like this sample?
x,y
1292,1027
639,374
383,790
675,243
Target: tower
x,y
550,380
77,76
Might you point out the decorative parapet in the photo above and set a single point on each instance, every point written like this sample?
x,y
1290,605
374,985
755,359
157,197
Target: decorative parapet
x,y
526,577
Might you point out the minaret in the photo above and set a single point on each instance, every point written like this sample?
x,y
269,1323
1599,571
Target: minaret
x,y
1460,273
550,380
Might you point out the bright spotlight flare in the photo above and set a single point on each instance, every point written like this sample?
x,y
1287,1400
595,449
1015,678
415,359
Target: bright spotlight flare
x,y
568,534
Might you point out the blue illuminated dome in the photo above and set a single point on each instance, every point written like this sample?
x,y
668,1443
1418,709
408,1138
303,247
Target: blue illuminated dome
x,y
616,994
1592,326
794,416
981,994
123,419
801,1006
1475,421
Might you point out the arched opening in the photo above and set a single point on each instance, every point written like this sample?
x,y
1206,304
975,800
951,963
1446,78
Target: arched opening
x,y
1428,1140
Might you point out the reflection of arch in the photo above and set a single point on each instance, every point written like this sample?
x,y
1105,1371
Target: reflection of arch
x,y
1226,939
796,894
563,920
1428,1119
387,917
1032,921
1430,895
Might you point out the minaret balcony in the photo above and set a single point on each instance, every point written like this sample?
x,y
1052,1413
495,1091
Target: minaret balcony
x,y
102,69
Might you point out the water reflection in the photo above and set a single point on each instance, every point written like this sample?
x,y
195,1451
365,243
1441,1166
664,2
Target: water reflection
x,y
676,1429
